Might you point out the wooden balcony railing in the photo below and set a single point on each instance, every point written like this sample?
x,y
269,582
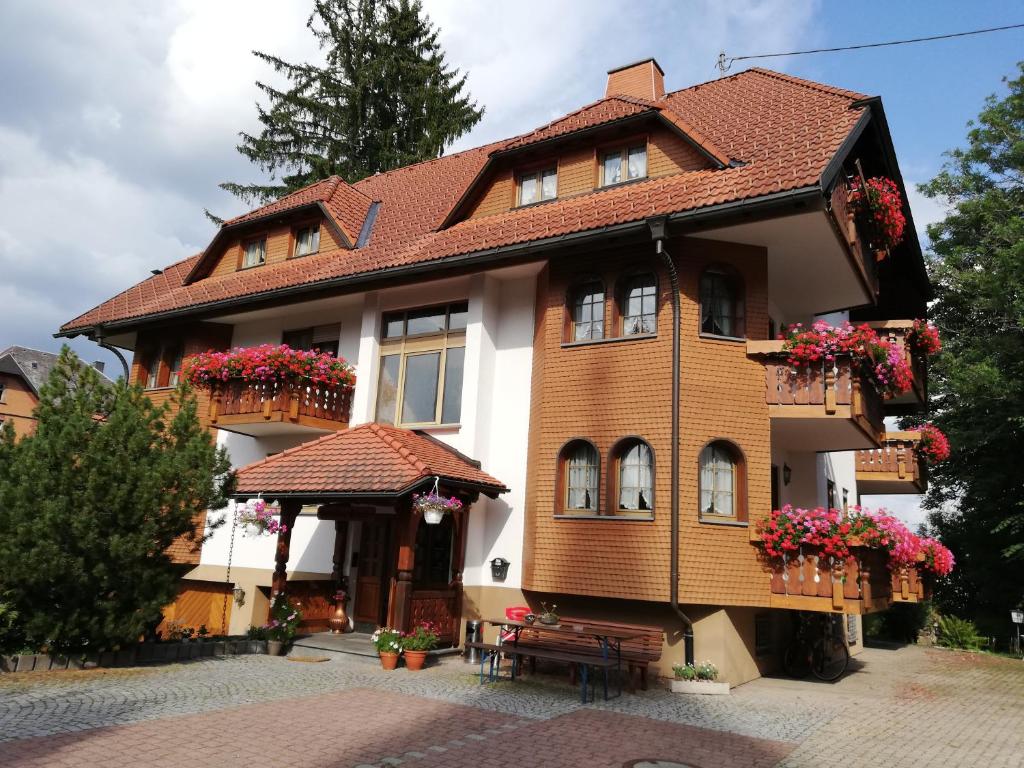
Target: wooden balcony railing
x,y
895,332
811,581
827,390
253,407
864,260
896,467
910,585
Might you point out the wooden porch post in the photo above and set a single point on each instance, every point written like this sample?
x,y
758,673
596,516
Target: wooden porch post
x,y
289,511
401,606
340,547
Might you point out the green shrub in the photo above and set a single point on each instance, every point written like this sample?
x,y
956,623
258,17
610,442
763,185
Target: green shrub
x,y
955,632
684,672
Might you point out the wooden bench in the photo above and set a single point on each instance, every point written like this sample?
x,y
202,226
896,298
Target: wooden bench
x,y
581,662
637,652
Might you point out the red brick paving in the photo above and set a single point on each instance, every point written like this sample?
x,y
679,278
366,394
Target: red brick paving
x,y
365,727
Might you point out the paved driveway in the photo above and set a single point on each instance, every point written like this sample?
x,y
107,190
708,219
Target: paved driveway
x,y
907,707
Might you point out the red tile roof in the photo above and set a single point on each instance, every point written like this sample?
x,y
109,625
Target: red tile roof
x,y
370,459
784,130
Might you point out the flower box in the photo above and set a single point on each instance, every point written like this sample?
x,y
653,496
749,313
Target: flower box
x,y
701,687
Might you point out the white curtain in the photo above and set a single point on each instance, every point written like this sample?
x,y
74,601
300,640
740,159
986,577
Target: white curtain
x,y
582,478
636,488
717,481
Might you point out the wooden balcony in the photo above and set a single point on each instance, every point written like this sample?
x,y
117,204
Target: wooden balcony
x,y
810,581
895,332
864,261
894,468
270,408
826,407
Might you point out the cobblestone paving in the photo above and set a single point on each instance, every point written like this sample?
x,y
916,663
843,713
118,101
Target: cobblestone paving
x,y
906,707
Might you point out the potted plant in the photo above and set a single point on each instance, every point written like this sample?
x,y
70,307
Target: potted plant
x,y
283,623
879,206
548,615
700,679
388,643
417,643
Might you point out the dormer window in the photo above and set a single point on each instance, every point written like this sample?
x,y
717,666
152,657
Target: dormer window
x,y
307,240
254,252
537,186
625,164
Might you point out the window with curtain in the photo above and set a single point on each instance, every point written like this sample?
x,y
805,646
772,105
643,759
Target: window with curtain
x,y
537,186
624,164
254,252
588,312
580,466
639,305
635,491
307,240
721,304
177,358
422,354
719,481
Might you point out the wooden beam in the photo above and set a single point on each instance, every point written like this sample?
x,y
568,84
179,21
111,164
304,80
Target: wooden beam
x,y
289,512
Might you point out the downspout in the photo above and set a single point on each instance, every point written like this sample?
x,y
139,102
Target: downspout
x,y
659,231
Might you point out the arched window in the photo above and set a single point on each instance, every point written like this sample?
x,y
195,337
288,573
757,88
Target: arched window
x,y
580,470
588,312
721,482
634,493
639,303
721,303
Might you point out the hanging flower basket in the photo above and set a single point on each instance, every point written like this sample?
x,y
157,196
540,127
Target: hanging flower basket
x,y
433,506
879,206
268,364
933,445
882,362
923,337
257,518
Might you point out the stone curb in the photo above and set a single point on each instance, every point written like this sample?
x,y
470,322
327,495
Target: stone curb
x,y
144,653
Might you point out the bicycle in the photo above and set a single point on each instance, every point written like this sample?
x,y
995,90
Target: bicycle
x,y
825,655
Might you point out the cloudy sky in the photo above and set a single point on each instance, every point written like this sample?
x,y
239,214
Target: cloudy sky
x,y
117,124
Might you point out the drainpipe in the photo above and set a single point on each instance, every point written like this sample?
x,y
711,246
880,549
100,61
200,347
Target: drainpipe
x,y
659,231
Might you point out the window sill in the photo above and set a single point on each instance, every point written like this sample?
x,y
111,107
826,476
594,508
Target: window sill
x,y
624,183
535,204
717,337
431,427
611,518
167,388
609,340
251,266
730,523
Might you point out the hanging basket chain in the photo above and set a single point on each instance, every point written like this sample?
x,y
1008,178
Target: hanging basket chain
x,y
227,574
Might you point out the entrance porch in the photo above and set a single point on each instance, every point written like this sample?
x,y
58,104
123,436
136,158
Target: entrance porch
x,y
400,569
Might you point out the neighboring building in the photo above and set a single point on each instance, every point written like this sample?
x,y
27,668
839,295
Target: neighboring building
x,y
23,372
514,303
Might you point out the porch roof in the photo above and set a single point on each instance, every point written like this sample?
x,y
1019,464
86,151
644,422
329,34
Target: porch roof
x,y
371,460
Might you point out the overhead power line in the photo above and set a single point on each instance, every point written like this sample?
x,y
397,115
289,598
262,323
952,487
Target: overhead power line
x,y
725,62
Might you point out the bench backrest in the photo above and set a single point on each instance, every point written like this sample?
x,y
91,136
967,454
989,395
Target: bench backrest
x,y
646,646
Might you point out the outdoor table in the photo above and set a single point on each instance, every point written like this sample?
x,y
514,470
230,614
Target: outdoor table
x,y
605,636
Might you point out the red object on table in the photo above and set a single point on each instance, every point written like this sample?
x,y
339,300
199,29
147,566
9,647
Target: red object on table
x,y
517,612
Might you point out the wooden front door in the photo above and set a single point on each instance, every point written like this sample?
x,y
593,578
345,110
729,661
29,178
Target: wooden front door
x,y
372,579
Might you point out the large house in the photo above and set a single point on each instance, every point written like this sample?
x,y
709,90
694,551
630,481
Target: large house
x,y
573,330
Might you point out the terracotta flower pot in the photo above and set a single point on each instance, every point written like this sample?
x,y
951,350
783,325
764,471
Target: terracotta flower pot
x,y
388,660
275,647
414,660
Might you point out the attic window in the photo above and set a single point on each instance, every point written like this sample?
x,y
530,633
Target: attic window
x,y
538,186
307,240
254,252
625,164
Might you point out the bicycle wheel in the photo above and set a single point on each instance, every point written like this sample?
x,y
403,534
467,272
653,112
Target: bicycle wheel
x,y
797,661
830,659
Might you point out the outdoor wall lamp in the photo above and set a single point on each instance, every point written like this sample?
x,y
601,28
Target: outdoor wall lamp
x,y
499,568
239,595
787,473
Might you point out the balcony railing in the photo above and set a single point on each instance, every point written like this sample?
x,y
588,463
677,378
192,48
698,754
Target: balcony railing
x,y
810,581
910,585
271,407
809,396
895,332
896,467
857,245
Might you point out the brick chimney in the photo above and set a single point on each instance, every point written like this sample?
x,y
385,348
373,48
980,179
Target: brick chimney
x,y
643,80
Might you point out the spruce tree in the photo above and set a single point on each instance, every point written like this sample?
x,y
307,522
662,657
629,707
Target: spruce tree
x,y
384,98
91,501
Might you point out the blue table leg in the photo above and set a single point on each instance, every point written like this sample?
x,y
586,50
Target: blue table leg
x,y
584,672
